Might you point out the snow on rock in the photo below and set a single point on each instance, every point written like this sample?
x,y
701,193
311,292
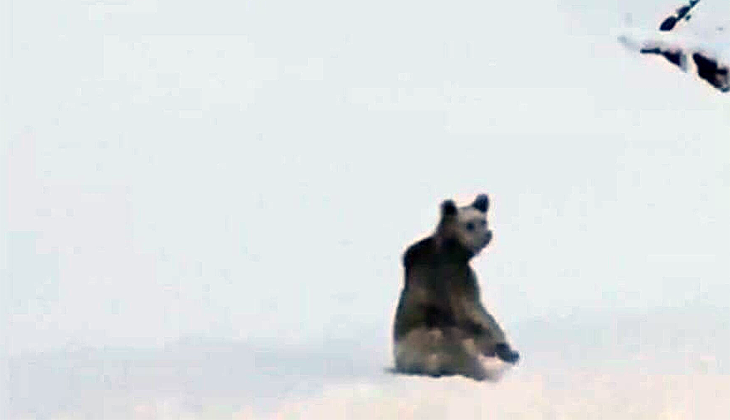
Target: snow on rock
x,y
707,57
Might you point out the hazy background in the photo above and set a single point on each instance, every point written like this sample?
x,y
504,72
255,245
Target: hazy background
x,y
204,205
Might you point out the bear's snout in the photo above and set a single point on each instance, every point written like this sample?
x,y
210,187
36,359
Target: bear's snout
x,y
487,237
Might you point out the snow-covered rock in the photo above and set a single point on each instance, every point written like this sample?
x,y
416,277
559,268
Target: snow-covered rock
x,y
707,56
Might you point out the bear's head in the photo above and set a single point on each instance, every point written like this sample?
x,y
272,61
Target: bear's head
x,y
466,226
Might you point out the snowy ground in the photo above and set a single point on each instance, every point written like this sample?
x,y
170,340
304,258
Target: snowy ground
x,y
664,364
206,205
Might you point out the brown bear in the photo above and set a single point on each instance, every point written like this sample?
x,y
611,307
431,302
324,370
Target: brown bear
x,y
441,327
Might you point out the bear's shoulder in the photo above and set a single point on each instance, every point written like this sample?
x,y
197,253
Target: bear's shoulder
x,y
419,252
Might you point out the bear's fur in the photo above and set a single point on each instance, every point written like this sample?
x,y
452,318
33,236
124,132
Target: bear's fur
x,y
441,327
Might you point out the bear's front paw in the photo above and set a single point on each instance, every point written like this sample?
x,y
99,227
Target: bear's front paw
x,y
506,354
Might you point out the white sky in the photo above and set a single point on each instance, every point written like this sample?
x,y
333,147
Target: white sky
x,y
252,171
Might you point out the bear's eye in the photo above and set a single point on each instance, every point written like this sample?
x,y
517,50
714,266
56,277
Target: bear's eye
x,y
484,223
470,226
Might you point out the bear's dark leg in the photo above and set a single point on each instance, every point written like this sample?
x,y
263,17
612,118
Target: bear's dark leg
x,y
506,354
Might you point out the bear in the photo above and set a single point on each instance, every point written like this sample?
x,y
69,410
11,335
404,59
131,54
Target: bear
x,y
441,327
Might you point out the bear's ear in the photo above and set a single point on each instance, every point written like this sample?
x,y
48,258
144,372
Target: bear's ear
x,y
481,203
448,208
